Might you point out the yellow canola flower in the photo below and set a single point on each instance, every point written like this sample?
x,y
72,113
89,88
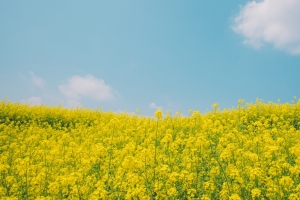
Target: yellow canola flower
x,y
255,193
215,105
286,182
248,152
235,197
158,114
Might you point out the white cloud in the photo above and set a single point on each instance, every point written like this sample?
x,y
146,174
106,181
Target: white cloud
x,y
154,106
33,101
276,22
86,86
38,82
73,103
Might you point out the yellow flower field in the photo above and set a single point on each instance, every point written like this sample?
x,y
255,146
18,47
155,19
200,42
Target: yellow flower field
x,y
248,152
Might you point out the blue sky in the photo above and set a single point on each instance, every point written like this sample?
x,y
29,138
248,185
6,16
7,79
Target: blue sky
x,y
128,55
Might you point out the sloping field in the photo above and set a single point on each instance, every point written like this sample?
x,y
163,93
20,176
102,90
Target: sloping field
x,y
251,152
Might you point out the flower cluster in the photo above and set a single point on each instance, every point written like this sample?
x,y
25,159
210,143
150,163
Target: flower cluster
x,y
251,152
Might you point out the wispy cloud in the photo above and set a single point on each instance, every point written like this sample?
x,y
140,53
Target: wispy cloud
x,y
154,106
276,22
73,103
86,86
33,100
37,81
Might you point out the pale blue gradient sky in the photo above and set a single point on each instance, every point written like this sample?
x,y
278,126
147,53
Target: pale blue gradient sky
x,y
179,55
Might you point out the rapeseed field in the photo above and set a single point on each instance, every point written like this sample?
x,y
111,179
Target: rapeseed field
x,y
248,152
